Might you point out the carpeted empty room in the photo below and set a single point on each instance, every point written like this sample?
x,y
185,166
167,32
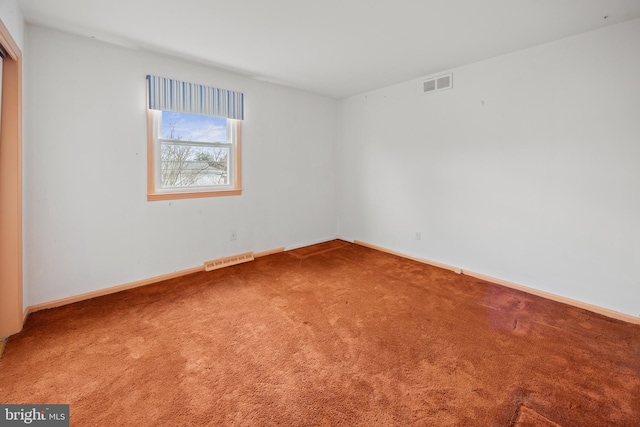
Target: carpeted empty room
x,y
334,334
320,213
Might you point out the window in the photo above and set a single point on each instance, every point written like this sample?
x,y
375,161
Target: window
x,y
193,140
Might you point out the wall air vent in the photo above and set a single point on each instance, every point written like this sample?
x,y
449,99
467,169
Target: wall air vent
x,y
429,85
228,261
435,84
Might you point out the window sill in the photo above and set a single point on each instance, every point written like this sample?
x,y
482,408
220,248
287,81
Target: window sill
x,y
151,197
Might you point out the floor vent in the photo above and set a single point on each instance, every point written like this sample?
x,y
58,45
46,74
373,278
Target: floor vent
x,y
435,84
228,261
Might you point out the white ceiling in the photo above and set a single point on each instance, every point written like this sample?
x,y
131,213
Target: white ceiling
x,y
336,48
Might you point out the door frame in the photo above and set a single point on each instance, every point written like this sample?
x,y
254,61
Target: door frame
x,y
11,275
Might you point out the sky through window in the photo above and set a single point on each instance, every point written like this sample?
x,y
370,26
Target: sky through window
x,y
194,127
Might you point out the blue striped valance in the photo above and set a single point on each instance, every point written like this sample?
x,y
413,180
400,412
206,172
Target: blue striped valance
x,y
182,97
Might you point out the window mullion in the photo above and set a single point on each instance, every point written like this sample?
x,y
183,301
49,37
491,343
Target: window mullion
x,y
194,143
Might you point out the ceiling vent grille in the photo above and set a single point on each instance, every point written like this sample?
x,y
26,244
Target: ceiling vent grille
x,y
438,83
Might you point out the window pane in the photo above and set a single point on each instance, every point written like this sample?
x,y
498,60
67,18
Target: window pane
x,y
191,166
193,127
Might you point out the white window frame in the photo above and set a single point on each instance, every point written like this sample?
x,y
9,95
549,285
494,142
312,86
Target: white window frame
x,y
155,191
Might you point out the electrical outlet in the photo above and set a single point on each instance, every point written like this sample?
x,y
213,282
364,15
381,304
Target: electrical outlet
x,y
234,236
418,235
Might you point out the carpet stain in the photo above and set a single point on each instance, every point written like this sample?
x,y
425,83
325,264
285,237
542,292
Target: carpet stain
x,y
527,417
136,347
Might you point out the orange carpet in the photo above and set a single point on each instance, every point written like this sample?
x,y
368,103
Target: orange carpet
x,y
330,335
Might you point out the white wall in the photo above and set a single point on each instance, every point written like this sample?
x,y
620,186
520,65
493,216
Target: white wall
x,y
87,223
527,170
12,18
